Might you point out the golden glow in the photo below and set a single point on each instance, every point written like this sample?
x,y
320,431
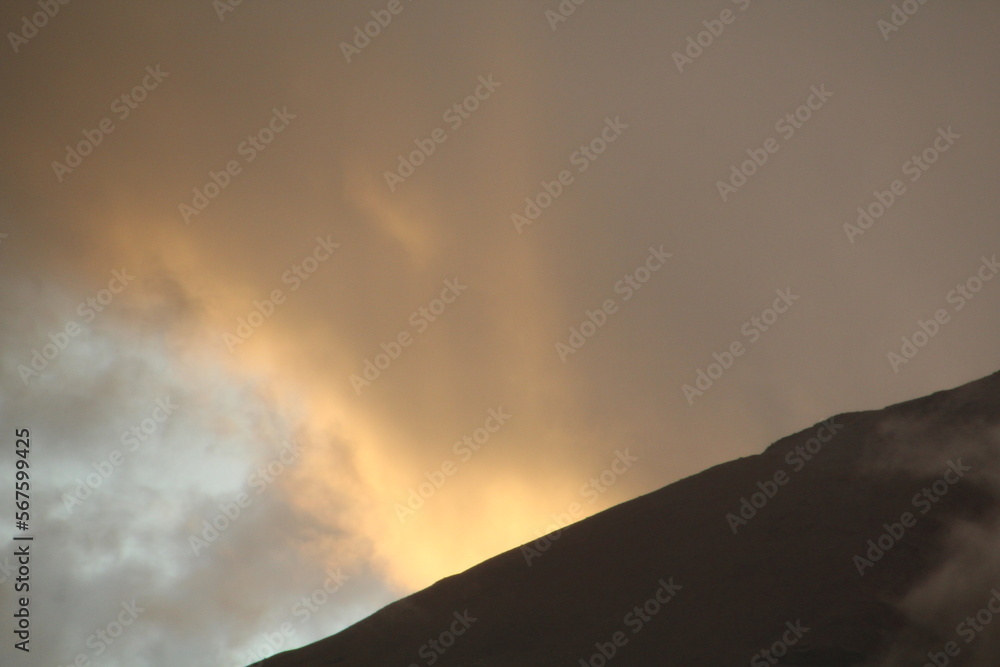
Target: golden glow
x,y
354,470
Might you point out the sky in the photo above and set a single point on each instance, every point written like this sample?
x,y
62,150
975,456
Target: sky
x,y
309,305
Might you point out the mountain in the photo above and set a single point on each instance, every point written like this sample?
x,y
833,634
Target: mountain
x,y
867,539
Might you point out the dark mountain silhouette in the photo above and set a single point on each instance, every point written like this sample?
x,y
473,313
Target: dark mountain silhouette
x,y
664,580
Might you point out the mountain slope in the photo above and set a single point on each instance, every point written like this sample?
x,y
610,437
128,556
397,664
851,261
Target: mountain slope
x,y
680,577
